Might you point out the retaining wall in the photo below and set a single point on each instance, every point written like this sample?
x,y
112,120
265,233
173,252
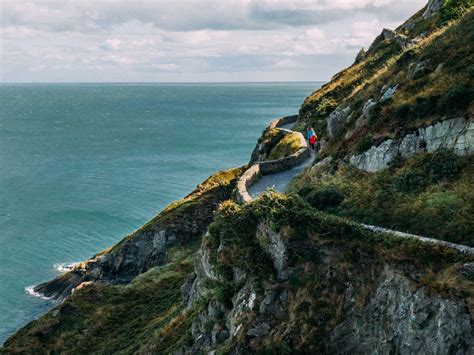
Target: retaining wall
x,y
273,166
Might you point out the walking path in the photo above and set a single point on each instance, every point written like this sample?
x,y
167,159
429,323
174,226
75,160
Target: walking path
x,y
279,181
461,248
253,183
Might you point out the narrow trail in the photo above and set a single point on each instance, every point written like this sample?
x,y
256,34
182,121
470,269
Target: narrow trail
x,y
280,181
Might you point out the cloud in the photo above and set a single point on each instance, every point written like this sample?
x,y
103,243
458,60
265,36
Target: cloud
x,y
185,40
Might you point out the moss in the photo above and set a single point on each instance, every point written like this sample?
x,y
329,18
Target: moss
x,y
288,145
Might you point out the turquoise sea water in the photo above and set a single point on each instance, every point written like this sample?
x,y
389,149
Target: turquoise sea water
x,y
82,165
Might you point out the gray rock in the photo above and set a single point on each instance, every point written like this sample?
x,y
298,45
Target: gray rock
x,y
400,39
259,330
467,269
272,243
416,71
399,320
432,8
389,93
368,108
456,134
337,119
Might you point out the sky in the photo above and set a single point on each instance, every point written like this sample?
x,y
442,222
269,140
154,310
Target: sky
x,y
189,41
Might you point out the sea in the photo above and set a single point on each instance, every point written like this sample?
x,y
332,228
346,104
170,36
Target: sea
x,y
82,165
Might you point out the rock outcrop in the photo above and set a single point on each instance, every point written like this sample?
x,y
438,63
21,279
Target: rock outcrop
x,y
456,134
179,223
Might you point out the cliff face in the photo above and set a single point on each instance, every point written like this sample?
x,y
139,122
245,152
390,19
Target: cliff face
x,y
297,272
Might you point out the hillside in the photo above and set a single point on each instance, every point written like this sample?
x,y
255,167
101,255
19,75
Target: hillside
x,y
301,272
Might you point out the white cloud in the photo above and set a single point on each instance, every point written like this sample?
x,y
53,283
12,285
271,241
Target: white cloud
x,y
189,40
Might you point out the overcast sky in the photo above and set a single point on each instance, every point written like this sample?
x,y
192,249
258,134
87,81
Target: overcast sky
x,y
189,41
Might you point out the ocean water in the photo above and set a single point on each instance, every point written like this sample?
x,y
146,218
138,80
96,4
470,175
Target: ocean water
x,y
82,165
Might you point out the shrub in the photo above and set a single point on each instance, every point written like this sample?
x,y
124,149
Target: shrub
x,y
424,106
453,9
456,98
326,198
440,165
409,182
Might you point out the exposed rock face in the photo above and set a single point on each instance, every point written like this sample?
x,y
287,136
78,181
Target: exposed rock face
x,y
432,8
147,247
398,320
456,134
337,119
398,314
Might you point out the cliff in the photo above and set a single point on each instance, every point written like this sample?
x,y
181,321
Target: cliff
x,y
303,271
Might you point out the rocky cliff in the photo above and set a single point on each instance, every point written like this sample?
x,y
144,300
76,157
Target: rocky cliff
x,y
301,272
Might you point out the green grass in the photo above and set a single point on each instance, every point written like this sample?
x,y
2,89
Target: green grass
x,y
114,319
286,146
429,194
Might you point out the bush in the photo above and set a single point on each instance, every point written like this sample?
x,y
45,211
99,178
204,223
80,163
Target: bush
x,y
453,9
326,198
424,106
456,98
440,165
409,182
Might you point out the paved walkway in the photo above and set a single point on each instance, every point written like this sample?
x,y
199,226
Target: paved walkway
x,y
280,181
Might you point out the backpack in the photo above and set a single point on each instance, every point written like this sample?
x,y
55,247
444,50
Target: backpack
x,y
313,139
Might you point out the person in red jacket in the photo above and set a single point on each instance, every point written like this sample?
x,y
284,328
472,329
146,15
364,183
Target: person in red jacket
x,y
312,139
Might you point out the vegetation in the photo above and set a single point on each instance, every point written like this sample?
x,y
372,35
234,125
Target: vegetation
x,y
110,319
288,145
428,194
435,81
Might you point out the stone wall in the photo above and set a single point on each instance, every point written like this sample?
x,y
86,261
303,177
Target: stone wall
x,y
456,134
246,180
273,166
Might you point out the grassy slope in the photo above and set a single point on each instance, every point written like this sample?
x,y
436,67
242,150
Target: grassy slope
x,y
443,90
429,194
314,294
112,319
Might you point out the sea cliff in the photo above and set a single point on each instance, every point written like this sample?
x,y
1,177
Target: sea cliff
x,y
369,249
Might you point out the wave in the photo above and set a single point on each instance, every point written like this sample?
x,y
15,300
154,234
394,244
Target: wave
x,y
30,290
65,267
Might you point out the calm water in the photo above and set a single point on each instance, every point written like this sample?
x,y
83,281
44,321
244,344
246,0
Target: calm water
x,y
83,165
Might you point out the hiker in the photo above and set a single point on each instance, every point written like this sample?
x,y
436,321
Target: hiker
x,y
312,138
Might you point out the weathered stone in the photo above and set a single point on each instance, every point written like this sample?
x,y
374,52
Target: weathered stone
x,y
273,244
416,71
368,108
399,320
432,8
389,93
337,119
259,330
456,134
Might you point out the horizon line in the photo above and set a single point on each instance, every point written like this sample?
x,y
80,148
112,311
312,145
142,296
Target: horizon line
x,y
164,82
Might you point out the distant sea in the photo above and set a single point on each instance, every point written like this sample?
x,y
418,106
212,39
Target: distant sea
x,y
82,165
